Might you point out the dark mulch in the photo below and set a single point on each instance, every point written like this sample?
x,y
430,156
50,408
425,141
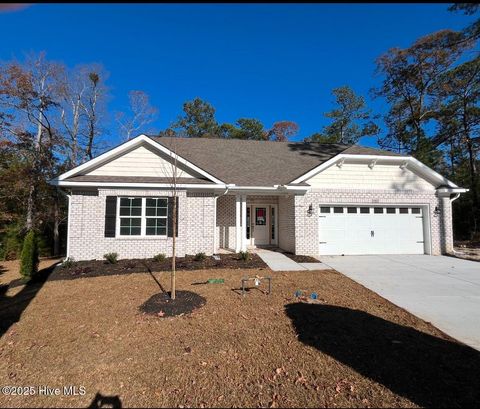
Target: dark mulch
x,y
163,306
301,259
97,268
468,243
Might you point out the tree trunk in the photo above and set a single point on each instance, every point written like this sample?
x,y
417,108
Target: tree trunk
x,y
30,205
174,228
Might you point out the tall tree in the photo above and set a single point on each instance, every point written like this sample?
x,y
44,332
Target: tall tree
x,y
351,119
143,113
283,130
409,77
94,108
28,94
198,120
458,91
83,97
472,31
244,128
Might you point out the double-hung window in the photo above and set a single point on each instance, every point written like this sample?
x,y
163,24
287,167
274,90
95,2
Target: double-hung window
x,y
142,216
130,216
156,216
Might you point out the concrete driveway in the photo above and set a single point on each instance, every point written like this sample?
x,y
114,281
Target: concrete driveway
x,y
442,290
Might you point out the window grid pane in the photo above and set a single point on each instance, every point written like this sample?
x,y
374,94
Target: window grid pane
x,y
156,216
131,214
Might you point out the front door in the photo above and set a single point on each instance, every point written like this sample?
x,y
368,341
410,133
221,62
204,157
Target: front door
x,y
260,225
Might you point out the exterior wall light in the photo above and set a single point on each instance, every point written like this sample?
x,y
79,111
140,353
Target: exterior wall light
x,y
436,212
310,210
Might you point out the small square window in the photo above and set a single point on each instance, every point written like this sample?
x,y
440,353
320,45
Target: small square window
x,y
403,210
364,210
351,210
324,209
378,210
338,210
416,210
390,210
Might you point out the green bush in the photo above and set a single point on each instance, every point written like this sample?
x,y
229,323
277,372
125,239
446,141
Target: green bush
x,y
29,257
200,256
244,255
12,243
160,257
69,262
112,258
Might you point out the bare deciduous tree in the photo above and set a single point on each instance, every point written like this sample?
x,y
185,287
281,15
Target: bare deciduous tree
x,y
142,114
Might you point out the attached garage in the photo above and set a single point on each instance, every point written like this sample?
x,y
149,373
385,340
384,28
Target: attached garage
x,y
375,229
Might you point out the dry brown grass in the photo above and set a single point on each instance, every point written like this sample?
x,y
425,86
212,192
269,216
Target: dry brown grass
x,y
235,351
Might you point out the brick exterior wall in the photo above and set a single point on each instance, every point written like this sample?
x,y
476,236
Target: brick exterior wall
x,y
87,223
286,223
225,224
306,227
297,232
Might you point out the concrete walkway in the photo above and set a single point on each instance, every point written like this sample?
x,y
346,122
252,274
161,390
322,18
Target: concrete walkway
x,y
280,262
442,290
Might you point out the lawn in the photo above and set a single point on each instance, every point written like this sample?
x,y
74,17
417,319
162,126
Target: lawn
x,y
352,349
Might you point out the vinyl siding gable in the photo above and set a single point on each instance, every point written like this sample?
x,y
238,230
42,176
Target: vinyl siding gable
x,y
360,176
141,161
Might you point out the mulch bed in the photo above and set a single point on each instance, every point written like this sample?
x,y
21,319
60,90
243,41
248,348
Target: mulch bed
x,y
301,259
163,306
97,268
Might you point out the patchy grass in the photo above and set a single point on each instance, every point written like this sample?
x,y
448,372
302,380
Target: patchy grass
x,y
353,349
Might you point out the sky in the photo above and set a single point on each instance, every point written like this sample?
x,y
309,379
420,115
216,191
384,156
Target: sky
x,y
267,61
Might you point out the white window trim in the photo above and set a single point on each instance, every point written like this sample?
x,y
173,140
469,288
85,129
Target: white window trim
x,y
143,218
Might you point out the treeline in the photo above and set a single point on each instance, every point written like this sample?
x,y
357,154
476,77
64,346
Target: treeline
x,y
53,117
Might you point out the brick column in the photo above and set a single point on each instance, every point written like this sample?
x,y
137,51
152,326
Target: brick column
x,y
446,225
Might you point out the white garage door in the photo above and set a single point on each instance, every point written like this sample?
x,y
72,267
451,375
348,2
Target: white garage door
x,y
371,230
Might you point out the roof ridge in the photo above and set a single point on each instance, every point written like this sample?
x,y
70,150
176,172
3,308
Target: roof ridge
x,y
251,140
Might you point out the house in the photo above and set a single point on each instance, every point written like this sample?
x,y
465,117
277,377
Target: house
x,y
305,198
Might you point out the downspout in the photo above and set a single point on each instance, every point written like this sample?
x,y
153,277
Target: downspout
x,y
215,219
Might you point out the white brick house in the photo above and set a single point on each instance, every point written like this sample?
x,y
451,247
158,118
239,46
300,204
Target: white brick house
x,y
310,199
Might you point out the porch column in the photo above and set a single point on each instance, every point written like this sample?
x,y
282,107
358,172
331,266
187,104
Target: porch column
x,y
244,224
238,229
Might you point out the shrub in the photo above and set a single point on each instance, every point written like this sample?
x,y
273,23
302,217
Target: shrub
x,y
200,256
244,255
111,258
160,257
12,243
29,258
68,262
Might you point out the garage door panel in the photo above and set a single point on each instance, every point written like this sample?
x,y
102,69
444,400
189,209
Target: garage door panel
x,y
375,231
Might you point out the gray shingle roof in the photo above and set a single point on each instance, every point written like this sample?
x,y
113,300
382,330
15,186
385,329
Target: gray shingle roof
x,y
258,163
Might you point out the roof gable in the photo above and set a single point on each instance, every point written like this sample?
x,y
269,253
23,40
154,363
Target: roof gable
x,y
141,161
130,155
